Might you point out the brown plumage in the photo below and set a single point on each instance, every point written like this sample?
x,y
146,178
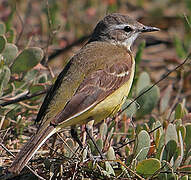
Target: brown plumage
x,y
92,85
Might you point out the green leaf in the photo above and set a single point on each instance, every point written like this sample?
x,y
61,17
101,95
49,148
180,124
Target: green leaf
x,y
2,28
177,162
5,75
11,35
9,19
160,147
110,134
109,168
182,129
184,177
179,112
143,81
111,154
152,120
84,154
181,52
170,150
179,158
91,145
187,139
161,141
158,133
138,59
171,134
138,128
148,167
31,75
3,42
146,127
147,101
99,144
42,78
27,59
131,110
164,102
127,150
35,89
103,130
140,52
142,145
9,53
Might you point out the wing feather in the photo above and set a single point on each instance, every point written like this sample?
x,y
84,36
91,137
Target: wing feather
x,y
95,88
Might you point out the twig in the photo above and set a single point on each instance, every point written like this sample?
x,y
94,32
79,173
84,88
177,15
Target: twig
x,y
50,35
75,170
67,145
129,169
22,25
27,96
156,172
186,17
164,77
28,106
161,79
180,86
134,139
23,22
2,121
9,175
55,151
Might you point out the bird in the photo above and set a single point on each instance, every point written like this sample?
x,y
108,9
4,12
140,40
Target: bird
x,y
93,84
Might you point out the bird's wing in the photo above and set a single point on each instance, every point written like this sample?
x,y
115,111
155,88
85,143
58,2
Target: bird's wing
x,y
51,93
83,72
95,88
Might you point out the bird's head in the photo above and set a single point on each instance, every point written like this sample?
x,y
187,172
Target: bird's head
x,y
119,29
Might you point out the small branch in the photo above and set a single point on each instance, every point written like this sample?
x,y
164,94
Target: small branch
x,y
164,77
71,150
8,176
186,17
23,22
128,169
22,25
50,35
134,139
22,98
180,87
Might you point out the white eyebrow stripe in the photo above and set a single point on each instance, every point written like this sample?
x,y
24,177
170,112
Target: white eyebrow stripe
x,y
121,26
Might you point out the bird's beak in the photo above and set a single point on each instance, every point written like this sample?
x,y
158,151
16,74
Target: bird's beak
x,y
149,29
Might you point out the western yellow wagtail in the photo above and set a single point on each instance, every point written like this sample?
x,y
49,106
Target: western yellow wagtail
x,y
93,84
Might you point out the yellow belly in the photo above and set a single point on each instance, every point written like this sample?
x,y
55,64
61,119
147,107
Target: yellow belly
x,y
112,103
107,107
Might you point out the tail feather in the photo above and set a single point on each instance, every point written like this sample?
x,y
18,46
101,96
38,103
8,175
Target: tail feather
x,y
30,149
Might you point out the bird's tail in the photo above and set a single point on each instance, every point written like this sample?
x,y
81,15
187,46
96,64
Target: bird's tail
x,y
30,148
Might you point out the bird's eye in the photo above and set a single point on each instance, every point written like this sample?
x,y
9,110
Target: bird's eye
x,y
127,29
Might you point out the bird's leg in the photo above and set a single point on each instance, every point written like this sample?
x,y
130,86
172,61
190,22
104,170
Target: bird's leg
x,y
88,131
74,135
